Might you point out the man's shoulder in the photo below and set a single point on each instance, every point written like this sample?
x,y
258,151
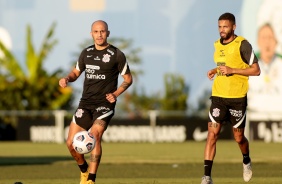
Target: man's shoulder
x,y
89,48
245,44
86,50
217,41
114,48
240,37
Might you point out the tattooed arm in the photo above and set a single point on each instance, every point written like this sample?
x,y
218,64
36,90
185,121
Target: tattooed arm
x,y
127,81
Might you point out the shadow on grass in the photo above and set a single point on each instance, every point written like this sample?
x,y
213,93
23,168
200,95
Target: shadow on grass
x,y
64,169
31,160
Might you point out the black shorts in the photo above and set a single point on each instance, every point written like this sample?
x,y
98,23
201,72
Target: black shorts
x,y
232,110
85,116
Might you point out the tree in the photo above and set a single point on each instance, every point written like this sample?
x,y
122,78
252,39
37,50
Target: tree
x,y
204,104
176,93
136,102
31,88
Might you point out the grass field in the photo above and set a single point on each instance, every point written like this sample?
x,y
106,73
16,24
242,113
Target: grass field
x,y
139,163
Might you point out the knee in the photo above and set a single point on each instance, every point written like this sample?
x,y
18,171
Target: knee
x,y
98,139
240,139
69,144
97,135
212,137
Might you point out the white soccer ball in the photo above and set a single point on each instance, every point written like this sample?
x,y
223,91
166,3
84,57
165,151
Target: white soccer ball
x,y
83,142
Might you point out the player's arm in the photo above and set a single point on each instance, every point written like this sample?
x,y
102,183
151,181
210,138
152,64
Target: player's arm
x,y
71,77
254,70
211,73
249,58
127,81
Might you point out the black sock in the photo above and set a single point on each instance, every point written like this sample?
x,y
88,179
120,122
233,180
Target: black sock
x,y
83,167
246,158
208,167
91,177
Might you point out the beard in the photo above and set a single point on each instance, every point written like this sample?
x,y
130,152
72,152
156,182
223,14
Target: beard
x,y
227,36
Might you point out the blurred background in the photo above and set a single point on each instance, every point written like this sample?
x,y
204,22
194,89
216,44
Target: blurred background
x,y
169,47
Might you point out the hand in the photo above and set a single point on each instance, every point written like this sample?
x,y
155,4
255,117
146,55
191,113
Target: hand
x,y
211,74
111,97
64,82
225,70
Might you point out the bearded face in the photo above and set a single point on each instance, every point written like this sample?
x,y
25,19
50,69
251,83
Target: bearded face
x,y
226,30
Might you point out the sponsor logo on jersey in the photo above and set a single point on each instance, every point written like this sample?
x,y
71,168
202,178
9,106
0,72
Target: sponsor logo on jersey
x,y
95,76
91,48
236,113
222,53
106,58
90,70
94,67
97,58
102,108
111,52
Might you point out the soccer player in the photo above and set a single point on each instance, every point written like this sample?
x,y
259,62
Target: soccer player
x,y
235,62
102,63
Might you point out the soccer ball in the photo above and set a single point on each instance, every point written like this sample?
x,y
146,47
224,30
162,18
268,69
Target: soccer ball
x,y
83,142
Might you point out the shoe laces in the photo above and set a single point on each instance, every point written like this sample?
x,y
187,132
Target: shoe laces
x,y
247,167
207,178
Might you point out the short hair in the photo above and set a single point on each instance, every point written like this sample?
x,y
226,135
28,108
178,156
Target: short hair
x,y
107,28
266,25
270,27
228,16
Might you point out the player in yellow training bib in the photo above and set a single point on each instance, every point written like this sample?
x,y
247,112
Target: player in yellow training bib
x,y
235,61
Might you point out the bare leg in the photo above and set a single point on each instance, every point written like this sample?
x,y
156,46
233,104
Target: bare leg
x,y
97,130
244,147
210,150
242,141
74,128
213,133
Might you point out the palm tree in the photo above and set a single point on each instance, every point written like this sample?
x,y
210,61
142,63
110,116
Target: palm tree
x,y
31,88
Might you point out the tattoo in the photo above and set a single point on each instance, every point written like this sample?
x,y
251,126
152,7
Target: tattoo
x,y
238,129
95,158
100,122
70,76
75,156
214,125
125,85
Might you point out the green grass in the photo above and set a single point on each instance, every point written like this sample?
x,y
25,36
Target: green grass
x,y
138,163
